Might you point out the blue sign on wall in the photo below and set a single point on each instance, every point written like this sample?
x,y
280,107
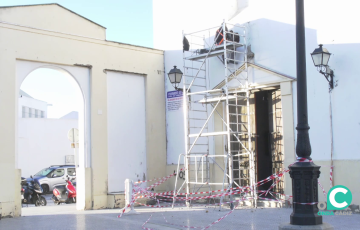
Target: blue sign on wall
x,y
174,100
176,93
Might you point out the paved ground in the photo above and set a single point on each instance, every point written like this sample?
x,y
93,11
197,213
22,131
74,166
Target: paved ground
x,y
66,217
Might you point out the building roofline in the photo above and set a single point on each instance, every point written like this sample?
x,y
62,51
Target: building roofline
x,y
257,66
23,93
122,43
47,4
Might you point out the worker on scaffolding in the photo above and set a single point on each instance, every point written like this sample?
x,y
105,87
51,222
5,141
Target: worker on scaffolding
x,y
219,39
219,36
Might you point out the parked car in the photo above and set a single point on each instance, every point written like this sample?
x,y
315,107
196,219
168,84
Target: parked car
x,y
55,175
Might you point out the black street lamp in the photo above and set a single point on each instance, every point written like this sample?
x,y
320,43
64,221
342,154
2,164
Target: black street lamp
x,y
304,173
321,57
175,76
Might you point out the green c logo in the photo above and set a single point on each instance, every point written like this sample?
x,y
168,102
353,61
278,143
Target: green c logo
x,y
338,198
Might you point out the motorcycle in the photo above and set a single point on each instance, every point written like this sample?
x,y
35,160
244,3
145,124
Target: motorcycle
x,y
31,190
23,182
65,193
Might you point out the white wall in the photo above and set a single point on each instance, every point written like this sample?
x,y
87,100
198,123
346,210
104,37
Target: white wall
x,y
85,55
43,142
126,129
33,104
341,40
272,37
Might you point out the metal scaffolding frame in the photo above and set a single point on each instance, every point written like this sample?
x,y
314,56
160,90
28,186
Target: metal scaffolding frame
x,y
200,103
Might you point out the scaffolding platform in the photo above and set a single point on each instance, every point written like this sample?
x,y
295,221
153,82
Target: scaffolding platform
x,y
216,51
216,99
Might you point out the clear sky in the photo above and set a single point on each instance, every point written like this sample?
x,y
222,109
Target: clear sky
x,y
56,88
127,21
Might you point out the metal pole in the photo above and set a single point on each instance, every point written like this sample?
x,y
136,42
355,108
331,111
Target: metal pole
x,y
332,143
186,132
227,115
176,178
304,175
251,152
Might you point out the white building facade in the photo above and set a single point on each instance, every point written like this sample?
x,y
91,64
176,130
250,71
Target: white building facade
x,y
271,34
82,52
30,107
42,142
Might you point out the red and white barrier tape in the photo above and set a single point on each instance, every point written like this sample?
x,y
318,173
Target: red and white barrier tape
x,y
160,182
263,191
221,218
274,176
325,194
205,197
129,205
214,204
160,178
273,200
143,226
236,190
331,175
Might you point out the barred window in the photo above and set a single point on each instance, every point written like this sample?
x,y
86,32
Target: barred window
x,y
23,112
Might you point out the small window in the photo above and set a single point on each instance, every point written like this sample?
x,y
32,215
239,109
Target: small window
x,y
30,112
58,173
23,112
42,114
71,172
36,113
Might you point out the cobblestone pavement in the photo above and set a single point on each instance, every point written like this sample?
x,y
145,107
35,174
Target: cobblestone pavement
x,y
67,217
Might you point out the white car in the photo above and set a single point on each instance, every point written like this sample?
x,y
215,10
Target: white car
x,y
55,175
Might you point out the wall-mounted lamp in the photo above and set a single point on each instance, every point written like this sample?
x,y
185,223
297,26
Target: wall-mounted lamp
x,y
175,76
321,57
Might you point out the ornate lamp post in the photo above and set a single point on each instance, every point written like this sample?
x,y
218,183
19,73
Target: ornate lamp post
x,y
321,58
175,76
304,173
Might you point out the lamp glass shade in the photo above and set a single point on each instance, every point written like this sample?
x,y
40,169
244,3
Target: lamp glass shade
x,y
172,77
320,56
317,58
178,77
325,58
175,76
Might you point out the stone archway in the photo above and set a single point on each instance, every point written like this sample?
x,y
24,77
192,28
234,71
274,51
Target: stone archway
x,y
81,76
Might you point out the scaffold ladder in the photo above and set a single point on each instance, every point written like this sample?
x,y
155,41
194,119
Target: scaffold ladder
x,y
200,105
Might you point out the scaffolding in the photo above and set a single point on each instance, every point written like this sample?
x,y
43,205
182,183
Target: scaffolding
x,y
201,102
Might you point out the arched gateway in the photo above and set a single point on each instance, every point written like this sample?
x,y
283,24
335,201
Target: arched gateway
x,y
109,75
